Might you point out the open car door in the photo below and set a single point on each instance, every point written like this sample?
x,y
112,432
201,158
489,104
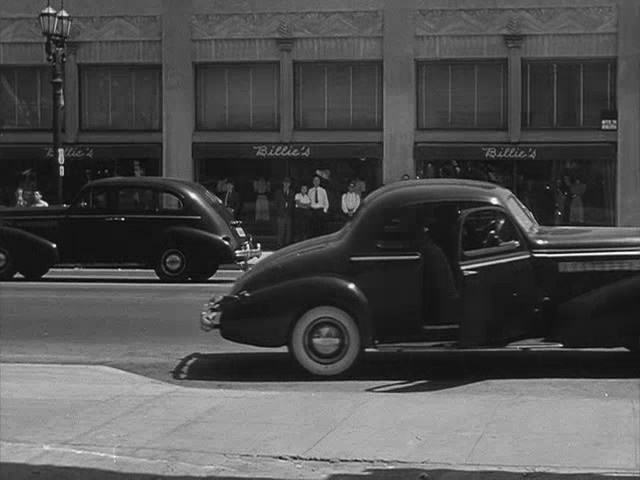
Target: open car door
x,y
499,287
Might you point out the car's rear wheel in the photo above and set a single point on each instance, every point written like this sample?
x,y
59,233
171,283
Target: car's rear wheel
x,y
172,265
325,341
203,275
7,264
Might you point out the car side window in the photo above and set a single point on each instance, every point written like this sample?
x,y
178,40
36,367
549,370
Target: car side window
x,y
92,199
169,202
135,200
486,232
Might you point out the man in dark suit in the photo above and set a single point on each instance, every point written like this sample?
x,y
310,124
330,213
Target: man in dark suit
x,y
284,205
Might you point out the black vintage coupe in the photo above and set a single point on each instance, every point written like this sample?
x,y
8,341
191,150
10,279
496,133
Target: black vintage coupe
x,y
439,264
177,227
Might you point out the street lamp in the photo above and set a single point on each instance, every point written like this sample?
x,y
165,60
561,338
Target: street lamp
x,y
56,27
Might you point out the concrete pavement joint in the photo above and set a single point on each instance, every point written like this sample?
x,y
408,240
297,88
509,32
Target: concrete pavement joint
x,y
484,430
341,422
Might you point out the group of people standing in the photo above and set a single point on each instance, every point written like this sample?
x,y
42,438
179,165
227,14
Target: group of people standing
x,y
33,200
305,213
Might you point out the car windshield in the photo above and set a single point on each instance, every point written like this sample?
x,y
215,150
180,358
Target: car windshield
x,y
522,214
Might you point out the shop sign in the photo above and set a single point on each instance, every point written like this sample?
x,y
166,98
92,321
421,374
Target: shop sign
x,y
289,151
609,124
72,152
510,153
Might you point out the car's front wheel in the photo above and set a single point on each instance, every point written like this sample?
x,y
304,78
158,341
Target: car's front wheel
x,y
34,273
172,265
7,264
325,341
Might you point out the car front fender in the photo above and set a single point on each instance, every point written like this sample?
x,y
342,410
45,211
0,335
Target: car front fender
x,y
29,249
265,317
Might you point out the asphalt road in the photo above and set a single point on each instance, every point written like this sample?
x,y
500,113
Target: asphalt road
x,y
152,329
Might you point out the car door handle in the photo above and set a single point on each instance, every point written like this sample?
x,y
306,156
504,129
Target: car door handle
x,y
114,219
469,273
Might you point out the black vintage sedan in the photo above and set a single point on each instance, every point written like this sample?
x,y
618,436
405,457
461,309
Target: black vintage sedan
x,y
438,264
176,227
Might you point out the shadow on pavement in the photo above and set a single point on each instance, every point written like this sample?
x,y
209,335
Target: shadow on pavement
x,y
14,471
431,371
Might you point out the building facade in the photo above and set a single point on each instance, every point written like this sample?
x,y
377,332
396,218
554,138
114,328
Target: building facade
x,y
542,97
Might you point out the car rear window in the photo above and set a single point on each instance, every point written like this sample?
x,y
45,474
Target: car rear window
x,y
217,204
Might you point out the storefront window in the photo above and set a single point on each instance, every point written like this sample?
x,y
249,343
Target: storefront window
x,y
32,168
25,98
560,189
121,98
462,95
569,94
238,97
257,181
338,96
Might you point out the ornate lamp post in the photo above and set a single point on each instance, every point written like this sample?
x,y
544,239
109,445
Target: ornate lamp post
x,y
55,28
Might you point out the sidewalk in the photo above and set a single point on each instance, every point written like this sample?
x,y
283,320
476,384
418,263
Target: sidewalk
x,y
65,421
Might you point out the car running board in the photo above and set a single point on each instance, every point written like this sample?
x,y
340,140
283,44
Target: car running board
x,y
413,347
533,344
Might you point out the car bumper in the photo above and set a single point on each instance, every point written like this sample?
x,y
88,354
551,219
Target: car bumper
x,y
247,252
211,315
210,320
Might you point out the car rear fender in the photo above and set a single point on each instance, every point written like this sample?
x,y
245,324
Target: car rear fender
x,y
29,249
607,316
267,316
199,243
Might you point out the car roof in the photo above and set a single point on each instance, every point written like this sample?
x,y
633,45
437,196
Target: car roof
x,y
144,182
444,189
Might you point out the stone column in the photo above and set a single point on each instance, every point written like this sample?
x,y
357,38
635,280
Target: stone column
x,y
399,87
72,102
628,91
178,97
285,45
514,40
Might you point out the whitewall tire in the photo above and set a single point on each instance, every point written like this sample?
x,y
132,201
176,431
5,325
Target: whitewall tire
x,y
325,341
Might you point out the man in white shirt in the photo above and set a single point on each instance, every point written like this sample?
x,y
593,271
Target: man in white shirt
x,y
319,206
350,200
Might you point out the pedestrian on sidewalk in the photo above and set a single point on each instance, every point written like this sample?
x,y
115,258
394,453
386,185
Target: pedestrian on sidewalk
x,y
319,207
302,214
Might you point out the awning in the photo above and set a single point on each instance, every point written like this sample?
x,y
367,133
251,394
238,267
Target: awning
x,y
298,151
516,152
81,152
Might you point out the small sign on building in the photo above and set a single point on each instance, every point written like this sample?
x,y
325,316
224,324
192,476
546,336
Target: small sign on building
x,y
61,156
609,120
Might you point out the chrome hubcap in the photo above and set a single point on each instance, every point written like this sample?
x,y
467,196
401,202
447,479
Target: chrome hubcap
x,y
173,262
3,260
326,341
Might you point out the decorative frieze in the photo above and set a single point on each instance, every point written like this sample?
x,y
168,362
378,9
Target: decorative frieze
x,y
303,24
116,28
20,30
494,21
